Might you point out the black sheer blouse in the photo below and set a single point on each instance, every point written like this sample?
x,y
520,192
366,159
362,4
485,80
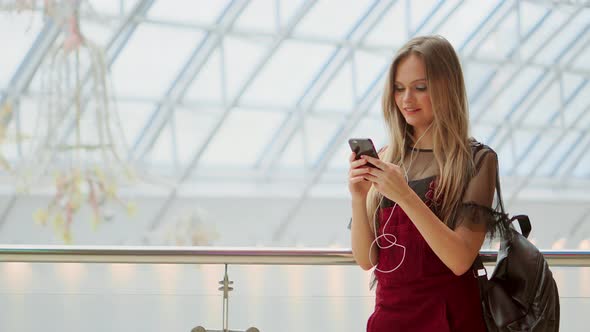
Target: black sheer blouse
x,y
481,202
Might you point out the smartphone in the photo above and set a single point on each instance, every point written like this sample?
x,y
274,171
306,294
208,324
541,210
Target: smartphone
x,y
363,146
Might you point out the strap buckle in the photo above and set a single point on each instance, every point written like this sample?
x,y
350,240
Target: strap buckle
x,y
479,272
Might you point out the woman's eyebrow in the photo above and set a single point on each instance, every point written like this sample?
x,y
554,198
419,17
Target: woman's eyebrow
x,y
420,79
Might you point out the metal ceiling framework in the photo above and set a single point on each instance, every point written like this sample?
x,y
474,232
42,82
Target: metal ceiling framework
x,y
344,50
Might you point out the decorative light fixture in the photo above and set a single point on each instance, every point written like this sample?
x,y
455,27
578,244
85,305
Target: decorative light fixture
x,y
78,135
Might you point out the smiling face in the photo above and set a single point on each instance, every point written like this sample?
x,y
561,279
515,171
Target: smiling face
x,y
412,96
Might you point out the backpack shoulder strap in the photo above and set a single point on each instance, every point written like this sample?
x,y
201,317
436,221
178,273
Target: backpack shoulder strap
x,y
523,220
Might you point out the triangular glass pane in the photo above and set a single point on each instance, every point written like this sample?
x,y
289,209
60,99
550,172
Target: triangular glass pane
x,y
470,14
376,110
288,9
516,89
475,75
583,167
541,36
339,161
278,84
133,117
161,156
241,57
349,13
561,167
571,82
554,157
530,14
505,152
500,43
260,15
194,11
391,29
482,131
153,56
17,32
582,62
578,107
585,120
236,144
531,163
545,107
488,87
338,96
418,14
509,102
447,10
521,139
371,71
128,4
191,130
293,157
105,7
207,85
560,46
319,132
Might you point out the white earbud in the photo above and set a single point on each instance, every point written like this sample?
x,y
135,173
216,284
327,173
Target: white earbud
x,y
386,235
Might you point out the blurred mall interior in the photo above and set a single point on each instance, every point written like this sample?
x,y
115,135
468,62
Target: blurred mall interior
x,y
147,145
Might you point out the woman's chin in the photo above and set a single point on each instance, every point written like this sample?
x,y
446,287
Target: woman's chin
x,y
414,120
417,122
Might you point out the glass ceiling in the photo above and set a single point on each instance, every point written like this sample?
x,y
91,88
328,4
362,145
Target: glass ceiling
x,y
269,90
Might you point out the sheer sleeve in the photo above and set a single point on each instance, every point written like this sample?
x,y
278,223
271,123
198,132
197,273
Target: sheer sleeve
x,y
481,203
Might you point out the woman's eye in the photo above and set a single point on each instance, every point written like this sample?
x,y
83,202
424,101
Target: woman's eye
x,y
421,87
399,89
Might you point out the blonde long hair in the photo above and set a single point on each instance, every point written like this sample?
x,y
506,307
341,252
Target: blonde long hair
x,y
450,128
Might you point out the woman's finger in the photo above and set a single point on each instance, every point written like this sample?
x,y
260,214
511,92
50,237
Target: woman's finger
x,y
357,163
359,171
376,162
356,179
371,177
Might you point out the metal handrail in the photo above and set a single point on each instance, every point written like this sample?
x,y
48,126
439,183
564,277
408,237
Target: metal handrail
x,y
224,255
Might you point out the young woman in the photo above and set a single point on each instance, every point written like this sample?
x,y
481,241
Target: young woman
x,y
420,217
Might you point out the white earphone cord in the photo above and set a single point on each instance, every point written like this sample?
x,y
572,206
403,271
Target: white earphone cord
x,y
385,235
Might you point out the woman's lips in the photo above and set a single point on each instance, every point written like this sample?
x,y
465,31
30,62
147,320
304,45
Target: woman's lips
x,y
411,110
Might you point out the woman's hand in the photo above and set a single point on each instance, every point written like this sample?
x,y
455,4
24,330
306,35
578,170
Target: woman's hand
x,y
388,179
357,184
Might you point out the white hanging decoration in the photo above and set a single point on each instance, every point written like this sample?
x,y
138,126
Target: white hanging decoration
x,y
79,138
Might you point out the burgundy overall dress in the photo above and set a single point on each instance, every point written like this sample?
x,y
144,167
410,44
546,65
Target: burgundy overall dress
x,y
422,295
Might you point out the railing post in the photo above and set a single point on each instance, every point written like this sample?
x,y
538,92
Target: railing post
x,y
225,288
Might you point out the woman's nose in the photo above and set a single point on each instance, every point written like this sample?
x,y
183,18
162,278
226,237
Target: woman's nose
x,y
407,96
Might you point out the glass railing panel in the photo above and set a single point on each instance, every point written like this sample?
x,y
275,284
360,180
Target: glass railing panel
x,y
108,297
300,298
178,297
574,292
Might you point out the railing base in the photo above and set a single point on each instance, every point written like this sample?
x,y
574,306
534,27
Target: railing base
x,y
202,329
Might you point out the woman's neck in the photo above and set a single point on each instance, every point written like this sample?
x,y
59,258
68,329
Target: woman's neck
x,y
423,138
